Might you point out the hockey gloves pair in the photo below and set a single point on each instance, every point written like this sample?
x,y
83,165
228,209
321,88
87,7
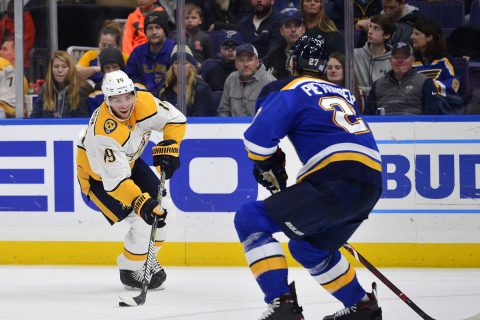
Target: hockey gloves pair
x,y
147,207
165,157
271,173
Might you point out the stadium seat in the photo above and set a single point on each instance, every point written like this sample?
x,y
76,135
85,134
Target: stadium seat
x,y
76,52
449,13
475,14
217,96
39,59
461,71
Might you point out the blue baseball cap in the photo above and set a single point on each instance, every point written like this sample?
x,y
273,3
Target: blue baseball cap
x,y
231,36
246,47
288,14
402,47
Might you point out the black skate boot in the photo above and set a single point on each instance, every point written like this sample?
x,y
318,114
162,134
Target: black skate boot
x,y
284,308
133,279
368,310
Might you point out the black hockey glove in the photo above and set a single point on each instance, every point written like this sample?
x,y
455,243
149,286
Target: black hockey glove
x,y
271,173
165,157
147,208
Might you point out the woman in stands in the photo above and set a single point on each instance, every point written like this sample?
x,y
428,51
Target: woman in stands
x,y
88,66
199,101
63,94
335,73
431,57
317,23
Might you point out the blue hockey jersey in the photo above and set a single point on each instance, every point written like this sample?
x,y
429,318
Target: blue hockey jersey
x,y
321,120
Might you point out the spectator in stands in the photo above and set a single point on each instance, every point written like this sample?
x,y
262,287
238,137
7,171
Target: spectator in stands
x,y
318,25
7,89
292,29
64,94
363,10
199,101
134,29
223,17
7,51
110,59
262,27
197,40
432,58
405,17
404,91
373,60
7,30
150,61
215,73
88,66
335,73
242,8
243,86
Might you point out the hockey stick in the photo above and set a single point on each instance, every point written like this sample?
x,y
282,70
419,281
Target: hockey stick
x,y
128,301
387,282
268,176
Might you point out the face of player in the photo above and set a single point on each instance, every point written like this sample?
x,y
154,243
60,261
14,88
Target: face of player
x,y
375,34
146,5
393,8
155,34
247,64
60,71
401,63
228,50
192,21
188,66
107,41
334,71
420,40
109,67
122,105
292,31
312,7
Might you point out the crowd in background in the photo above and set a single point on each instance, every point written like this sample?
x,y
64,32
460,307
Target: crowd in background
x,y
402,62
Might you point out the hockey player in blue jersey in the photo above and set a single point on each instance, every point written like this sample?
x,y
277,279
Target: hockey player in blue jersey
x,y
336,189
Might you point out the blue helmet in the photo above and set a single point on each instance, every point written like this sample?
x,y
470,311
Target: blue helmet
x,y
309,54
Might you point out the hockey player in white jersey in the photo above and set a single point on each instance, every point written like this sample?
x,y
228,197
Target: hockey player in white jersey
x,y
336,189
113,176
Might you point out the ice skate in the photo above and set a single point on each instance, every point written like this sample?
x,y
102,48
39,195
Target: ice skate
x,y
133,279
362,310
284,308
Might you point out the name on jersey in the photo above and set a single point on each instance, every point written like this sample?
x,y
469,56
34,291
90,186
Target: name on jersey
x,y
316,88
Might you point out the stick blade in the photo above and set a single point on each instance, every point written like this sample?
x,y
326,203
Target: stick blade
x,y
128,301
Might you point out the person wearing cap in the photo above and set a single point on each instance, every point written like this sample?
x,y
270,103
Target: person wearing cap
x,y
199,101
134,30
216,71
88,66
372,61
149,62
110,59
404,91
292,29
243,86
262,27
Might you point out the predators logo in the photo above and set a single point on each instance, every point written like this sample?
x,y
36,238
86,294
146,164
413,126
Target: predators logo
x,y
109,126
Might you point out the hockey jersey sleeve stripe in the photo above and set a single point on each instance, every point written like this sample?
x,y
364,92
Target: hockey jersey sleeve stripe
x,y
343,156
175,131
125,191
259,151
273,263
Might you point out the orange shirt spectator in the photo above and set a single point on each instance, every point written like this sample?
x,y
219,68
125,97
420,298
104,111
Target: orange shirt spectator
x,y
133,33
7,31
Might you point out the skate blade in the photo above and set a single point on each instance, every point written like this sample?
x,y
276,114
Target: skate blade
x,y
129,288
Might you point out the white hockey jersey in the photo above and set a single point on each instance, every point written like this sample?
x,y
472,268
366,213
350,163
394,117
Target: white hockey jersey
x,y
107,148
7,83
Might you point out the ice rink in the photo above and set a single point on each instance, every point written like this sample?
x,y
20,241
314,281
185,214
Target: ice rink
x,y
196,293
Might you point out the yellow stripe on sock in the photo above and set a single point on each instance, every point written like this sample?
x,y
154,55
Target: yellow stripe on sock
x,y
341,281
262,266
